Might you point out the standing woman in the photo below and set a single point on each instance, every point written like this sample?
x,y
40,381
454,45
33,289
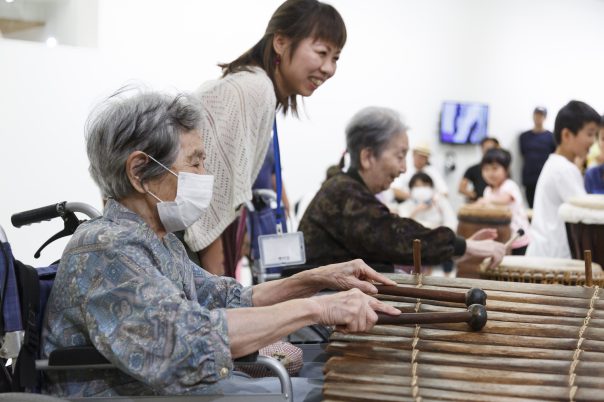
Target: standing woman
x,y
296,55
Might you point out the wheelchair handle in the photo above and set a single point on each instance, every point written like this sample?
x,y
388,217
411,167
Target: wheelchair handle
x,y
37,215
52,211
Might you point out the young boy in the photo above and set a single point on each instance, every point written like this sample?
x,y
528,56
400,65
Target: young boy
x,y
574,131
594,177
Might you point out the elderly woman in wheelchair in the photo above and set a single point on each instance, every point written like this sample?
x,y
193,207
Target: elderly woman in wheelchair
x,y
126,286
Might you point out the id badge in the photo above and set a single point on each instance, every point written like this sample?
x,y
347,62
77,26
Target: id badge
x,y
279,250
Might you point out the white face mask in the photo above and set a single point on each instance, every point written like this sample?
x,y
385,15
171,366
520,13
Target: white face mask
x,y
193,195
422,194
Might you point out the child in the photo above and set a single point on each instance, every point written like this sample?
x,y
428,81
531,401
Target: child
x,y
425,206
574,131
594,177
429,208
501,190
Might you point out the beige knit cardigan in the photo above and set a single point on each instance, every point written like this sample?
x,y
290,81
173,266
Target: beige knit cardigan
x,y
238,112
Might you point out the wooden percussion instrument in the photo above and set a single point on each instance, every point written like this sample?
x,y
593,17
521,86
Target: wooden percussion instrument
x,y
584,217
540,343
515,268
474,217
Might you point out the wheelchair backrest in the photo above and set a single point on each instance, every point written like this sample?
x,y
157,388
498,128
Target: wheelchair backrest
x,y
10,317
25,290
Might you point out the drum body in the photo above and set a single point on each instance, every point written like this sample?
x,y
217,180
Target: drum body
x,y
514,268
473,218
584,218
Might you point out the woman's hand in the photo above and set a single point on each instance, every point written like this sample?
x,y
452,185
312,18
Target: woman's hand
x,y
485,249
351,311
344,276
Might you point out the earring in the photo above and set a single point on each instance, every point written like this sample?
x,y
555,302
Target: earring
x,y
277,60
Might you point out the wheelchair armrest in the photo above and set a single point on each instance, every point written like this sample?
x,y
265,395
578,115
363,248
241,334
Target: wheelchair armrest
x,y
88,356
276,367
76,356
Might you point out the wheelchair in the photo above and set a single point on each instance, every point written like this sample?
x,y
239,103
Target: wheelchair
x,y
24,291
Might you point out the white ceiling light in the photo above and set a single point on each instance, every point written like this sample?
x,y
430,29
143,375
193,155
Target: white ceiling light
x,y
9,1
51,41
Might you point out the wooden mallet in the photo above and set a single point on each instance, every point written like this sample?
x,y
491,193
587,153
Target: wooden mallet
x,y
475,317
472,296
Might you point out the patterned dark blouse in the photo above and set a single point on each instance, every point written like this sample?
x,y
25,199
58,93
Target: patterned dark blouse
x,y
346,221
144,305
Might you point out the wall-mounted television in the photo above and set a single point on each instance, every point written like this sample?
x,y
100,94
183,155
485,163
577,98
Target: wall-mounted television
x,y
463,122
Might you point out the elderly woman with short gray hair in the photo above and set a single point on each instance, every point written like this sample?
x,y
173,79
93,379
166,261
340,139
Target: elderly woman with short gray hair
x,y
126,286
345,220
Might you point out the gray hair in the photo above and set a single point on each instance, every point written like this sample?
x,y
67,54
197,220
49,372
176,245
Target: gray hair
x,y
372,127
146,121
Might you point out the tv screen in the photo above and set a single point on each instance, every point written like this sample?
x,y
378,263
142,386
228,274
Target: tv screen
x,y
463,123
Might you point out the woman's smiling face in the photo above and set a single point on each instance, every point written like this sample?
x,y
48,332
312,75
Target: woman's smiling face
x,y
313,62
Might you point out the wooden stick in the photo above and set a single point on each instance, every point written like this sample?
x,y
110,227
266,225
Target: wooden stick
x,y
513,287
398,373
522,363
532,309
430,334
467,385
498,295
417,256
472,349
519,233
588,275
472,296
475,317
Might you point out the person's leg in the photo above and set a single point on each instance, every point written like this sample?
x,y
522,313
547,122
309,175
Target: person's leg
x,y
232,241
530,193
519,251
448,267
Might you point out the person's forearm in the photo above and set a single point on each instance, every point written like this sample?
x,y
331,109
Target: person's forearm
x,y
467,192
463,187
303,284
252,328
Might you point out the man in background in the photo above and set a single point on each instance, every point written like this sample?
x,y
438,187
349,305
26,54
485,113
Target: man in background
x,y
472,184
535,146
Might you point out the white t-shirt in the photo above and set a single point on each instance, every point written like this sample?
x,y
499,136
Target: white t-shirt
x,y
402,182
559,180
519,217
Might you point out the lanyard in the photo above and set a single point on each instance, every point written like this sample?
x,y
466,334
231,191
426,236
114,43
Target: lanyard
x,y
277,154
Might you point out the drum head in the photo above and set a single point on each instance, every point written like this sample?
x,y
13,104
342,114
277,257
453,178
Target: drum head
x,y
587,209
484,211
592,201
541,269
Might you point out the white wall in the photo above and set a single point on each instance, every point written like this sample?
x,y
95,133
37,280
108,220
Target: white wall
x,y
409,55
70,22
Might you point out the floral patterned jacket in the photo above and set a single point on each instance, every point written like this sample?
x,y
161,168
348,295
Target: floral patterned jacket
x,y
144,305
